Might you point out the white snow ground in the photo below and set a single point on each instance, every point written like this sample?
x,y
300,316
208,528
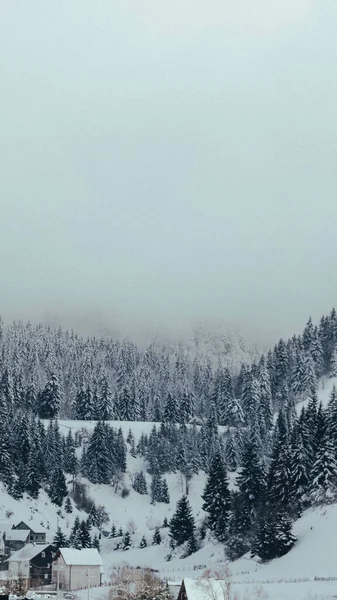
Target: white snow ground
x,y
314,555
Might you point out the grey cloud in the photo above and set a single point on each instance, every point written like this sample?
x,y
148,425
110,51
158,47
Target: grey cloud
x,y
169,162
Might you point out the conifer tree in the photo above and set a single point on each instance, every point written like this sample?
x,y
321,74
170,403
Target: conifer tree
x,y
139,483
75,535
192,545
84,534
143,542
251,480
323,488
182,523
60,540
50,399
156,537
68,506
126,541
96,544
57,488
33,474
217,500
113,532
164,492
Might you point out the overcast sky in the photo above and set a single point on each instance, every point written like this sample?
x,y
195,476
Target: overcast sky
x,y
166,162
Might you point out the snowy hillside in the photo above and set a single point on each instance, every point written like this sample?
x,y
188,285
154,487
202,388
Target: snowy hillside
x,y
314,554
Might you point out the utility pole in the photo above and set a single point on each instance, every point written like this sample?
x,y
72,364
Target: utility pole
x,y
58,569
88,575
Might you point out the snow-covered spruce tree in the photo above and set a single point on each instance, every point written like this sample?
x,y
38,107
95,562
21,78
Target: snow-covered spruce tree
x,y
332,418
68,506
300,462
279,476
71,465
192,545
156,537
273,535
50,399
75,535
217,499
126,541
239,528
139,484
84,534
251,480
143,542
98,467
164,492
96,544
33,474
57,487
182,523
104,408
60,540
323,488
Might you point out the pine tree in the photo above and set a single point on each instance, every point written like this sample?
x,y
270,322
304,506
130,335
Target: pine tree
x,y
164,492
139,483
217,500
323,488
57,487
60,540
95,543
143,542
251,480
113,532
50,399
274,535
120,532
33,474
165,522
126,541
75,535
98,466
84,534
68,506
156,537
231,458
182,523
192,545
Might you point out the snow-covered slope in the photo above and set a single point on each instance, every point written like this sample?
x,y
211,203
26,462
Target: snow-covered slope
x,y
314,554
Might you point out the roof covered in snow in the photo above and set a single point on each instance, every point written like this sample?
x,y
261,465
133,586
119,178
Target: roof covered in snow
x,y
88,557
27,552
19,535
205,589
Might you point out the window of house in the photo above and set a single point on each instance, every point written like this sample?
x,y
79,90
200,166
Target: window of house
x,y
43,554
46,575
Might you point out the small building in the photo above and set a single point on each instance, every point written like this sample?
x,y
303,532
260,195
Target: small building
x,y
203,589
36,536
75,566
33,563
15,539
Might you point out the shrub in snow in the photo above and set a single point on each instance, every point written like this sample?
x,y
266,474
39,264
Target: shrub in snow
x,y
125,492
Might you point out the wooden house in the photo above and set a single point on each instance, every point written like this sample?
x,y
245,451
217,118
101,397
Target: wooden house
x,y
33,563
76,566
36,536
15,539
202,589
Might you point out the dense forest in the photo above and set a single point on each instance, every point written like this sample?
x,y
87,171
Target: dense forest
x,y
284,462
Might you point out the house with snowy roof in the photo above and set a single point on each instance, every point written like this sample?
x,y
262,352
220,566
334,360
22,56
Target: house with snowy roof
x,y
203,589
37,534
33,563
15,539
77,569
